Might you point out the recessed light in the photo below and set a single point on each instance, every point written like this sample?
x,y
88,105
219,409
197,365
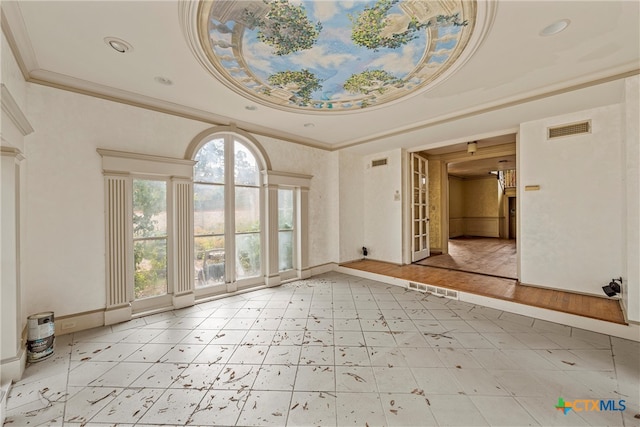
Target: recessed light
x,y
555,28
309,125
163,80
251,107
118,45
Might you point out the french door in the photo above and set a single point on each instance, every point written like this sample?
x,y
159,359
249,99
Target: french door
x,y
419,208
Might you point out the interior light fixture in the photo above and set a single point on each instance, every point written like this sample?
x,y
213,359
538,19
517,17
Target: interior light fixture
x,y
472,147
118,45
555,28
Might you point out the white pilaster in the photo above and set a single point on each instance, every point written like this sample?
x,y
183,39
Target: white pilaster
x,y
302,264
118,263
271,271
183,280
12,355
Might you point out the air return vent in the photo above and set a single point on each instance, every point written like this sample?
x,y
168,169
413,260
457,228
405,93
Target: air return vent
x,y
568,130
441,292
379,162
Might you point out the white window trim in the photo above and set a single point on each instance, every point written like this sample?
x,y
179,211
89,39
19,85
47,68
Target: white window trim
x,y
120,168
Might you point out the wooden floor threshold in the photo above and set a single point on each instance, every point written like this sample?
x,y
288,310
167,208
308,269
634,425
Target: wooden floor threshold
x,y
500,288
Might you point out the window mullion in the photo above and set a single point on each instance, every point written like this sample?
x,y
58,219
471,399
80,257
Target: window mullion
x,y
229,213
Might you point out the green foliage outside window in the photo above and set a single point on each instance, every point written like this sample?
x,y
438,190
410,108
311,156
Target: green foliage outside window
x,y
149,254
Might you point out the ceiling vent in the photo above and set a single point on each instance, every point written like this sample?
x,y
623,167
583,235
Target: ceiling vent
x,y
379,162
568,130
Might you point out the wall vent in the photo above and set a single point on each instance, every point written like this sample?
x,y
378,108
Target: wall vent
x,y
379,162
568,130
441,292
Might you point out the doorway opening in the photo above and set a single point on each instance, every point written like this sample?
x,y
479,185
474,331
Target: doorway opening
x,y
473,206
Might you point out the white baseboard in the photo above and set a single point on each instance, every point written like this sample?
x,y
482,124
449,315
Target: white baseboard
x,y
117,315
321,269
184,300
79,322
13,368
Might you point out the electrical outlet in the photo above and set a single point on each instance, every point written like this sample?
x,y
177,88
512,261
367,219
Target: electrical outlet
x,y
68,325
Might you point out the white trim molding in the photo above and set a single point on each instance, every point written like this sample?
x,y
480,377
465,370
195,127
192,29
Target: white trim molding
x,y
11,108
119,169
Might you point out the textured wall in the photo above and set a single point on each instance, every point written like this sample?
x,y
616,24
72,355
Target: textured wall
x,y
456,198
382,214
570,232
631,160
64,246
480,197
435,204
323,195
351,224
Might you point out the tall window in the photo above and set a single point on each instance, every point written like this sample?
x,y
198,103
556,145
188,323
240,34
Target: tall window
x,y
209,214
227,206
150,238
286,237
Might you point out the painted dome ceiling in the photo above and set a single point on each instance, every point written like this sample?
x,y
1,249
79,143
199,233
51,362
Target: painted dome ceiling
x,y
333,56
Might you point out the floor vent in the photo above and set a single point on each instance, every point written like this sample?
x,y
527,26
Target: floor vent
x,y
379,162
441,292
568,130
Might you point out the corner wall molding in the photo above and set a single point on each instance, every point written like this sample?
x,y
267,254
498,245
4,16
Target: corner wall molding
x,y
11,108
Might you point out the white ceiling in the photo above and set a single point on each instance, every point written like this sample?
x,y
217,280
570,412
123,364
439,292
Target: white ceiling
x,y
62,43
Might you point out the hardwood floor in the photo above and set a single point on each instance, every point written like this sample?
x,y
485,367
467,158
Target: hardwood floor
x,y
484,255
500,288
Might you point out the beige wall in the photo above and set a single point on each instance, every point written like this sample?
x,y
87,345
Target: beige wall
x,y
480,197
474,207
435,205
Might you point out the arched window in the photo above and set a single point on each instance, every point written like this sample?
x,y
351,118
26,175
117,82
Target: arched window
x,y
218,220
249,221
228,215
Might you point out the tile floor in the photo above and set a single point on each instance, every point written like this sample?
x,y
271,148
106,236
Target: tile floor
x,y
333,350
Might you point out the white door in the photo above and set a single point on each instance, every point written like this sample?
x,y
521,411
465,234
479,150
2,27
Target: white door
x,y
419,208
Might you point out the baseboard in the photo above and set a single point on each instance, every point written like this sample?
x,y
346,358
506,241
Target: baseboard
x,y
571,291
13,368
322,268
78,322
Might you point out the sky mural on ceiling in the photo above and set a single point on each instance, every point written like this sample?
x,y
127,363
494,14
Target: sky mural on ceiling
x,y
335,55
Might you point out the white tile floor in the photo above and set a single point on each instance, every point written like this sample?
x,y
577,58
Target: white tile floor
x,y
333,350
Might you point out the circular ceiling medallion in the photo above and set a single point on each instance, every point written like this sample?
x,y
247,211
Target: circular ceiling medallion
x,y
330,56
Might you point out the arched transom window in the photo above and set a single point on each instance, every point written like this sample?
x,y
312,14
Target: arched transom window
x,y
228,210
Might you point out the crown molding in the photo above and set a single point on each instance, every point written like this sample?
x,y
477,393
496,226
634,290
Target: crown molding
x,y
619,73
19,42
11,108
72,84
18,37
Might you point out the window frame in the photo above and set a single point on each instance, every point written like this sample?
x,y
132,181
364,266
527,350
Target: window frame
x,y
120,169
231,282
150,303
